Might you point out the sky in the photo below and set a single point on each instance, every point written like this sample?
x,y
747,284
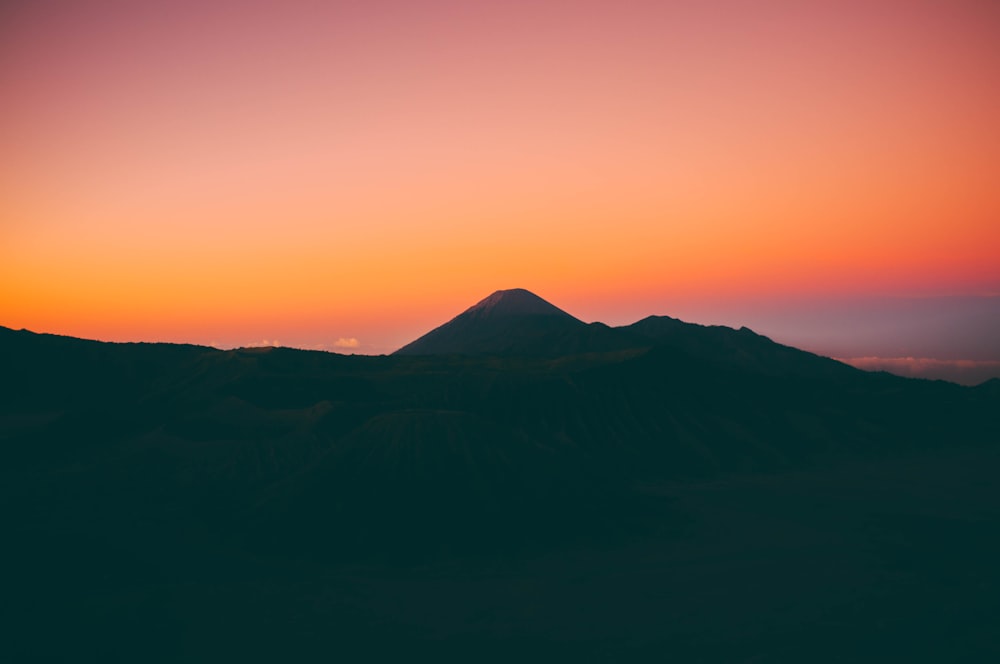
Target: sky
x,y
347,175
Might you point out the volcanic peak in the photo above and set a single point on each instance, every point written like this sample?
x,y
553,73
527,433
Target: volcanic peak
x,y
514,302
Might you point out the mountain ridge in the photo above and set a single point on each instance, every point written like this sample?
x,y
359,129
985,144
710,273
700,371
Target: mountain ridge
x,y
701,460
516,322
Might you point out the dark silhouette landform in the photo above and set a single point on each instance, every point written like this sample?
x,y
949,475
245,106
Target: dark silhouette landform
x,y
514,484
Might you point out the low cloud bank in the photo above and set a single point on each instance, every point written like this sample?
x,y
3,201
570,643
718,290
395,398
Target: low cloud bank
x,y
263,343
966,372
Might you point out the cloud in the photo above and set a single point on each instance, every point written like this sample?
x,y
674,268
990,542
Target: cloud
x,y
263,343
346,342
967,372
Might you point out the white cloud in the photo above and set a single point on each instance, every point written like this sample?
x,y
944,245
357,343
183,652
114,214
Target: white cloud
x,y
346,342
263,343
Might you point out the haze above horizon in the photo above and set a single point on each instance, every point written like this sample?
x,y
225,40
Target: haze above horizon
x,y
351,175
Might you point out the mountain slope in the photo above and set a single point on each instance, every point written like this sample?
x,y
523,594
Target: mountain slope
x,y
508,321
723,346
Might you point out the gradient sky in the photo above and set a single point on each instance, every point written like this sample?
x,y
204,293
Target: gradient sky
x,y
355,173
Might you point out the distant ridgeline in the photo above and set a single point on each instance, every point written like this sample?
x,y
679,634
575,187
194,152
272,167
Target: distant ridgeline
x,y
513,417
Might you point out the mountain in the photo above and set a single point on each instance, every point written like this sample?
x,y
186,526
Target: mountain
x,y
657,399
510,303
517,322
524,480
508,321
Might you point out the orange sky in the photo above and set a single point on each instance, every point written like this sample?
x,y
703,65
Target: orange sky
x,y
306,172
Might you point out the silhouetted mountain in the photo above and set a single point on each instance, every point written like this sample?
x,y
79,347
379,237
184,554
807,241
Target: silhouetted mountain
x,y
514,321
194,487
664,399
519,323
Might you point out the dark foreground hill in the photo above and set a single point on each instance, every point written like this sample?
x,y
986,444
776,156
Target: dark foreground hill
x,y
659,491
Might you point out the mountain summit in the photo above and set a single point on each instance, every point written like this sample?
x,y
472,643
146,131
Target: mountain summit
x,y
514,320
513,302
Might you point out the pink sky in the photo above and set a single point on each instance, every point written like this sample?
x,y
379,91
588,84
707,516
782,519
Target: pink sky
x,y
310,172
